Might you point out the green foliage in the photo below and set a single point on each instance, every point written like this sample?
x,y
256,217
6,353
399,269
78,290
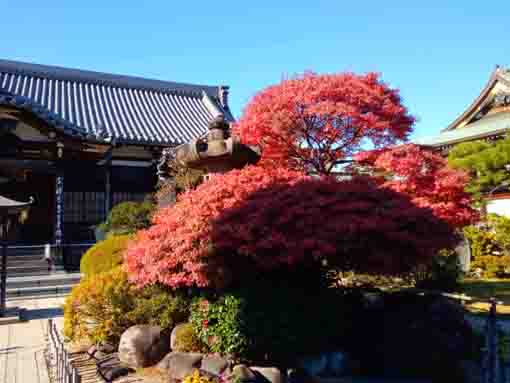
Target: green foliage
x,y
501,228
273,321
128,217
483,242
104,255
492,266
103,306
187,340
442,274
218,324
486,162
159,306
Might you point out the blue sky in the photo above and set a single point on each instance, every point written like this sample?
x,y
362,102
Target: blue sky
x,y
439,53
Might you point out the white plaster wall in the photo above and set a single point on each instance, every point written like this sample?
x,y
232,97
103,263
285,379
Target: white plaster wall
x,y
499,206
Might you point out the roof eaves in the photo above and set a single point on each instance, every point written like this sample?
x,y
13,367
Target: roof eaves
x,y
477,103
69,129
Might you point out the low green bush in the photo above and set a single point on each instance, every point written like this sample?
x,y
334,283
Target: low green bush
x,y
104,255
159,306
128,217
271,322
103,306
219,324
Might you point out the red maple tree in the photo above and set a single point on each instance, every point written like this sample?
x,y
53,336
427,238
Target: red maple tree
x,y
426,178
258,220
315,122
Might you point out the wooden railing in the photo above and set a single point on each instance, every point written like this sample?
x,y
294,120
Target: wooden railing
x,y
63,370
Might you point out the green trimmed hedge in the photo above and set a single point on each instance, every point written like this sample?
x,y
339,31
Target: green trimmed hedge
x,y
104,255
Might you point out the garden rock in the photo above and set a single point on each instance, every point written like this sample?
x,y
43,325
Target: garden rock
x,y
268,375
143,345
111,368
106,347
180,364
101,350
242,374
173,336
214,364
96,353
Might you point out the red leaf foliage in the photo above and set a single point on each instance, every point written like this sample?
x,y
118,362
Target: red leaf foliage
x,y
315,122
276,219
426,178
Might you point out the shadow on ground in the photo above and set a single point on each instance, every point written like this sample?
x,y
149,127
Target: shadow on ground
x,y
42,313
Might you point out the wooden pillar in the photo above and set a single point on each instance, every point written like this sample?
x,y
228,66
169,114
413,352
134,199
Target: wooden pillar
x,y
3,269
108,190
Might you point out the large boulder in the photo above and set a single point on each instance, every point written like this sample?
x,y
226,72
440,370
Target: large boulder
x,y
143,345
180,364
214,364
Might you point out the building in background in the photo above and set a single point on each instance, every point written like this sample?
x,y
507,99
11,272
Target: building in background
x,y
80,142
487,118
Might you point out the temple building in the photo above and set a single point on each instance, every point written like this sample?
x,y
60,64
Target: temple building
x,y
80,142
487,118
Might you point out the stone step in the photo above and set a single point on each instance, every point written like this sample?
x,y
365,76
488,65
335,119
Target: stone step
x,y
45,291
53,279
25,250
24,258
19,271
40,263
21,268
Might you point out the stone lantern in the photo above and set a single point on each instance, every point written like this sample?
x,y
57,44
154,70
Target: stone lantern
x,y
218,152
8,209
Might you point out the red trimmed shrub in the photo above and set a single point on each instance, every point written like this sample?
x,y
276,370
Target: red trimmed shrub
x,y
426,178
257,220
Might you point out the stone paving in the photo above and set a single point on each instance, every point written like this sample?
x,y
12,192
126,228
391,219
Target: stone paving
x,y
22,344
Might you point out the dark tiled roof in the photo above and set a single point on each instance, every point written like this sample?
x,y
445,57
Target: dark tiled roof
x,y
101,106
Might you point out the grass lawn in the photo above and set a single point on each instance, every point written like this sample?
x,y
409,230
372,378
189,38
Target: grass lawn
x,y
484,289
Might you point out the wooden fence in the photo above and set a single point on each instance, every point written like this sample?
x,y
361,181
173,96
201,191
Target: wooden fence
x,y
64,371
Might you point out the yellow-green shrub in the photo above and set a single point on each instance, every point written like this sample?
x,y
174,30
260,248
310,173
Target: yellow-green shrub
x,y
103,306
128,217
104,255
96,308
492,266
186,340
483,242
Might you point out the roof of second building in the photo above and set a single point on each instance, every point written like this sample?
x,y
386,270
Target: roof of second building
x,y
99,105
493,125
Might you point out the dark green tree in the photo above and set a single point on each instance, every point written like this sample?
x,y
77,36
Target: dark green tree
x,y
486,162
